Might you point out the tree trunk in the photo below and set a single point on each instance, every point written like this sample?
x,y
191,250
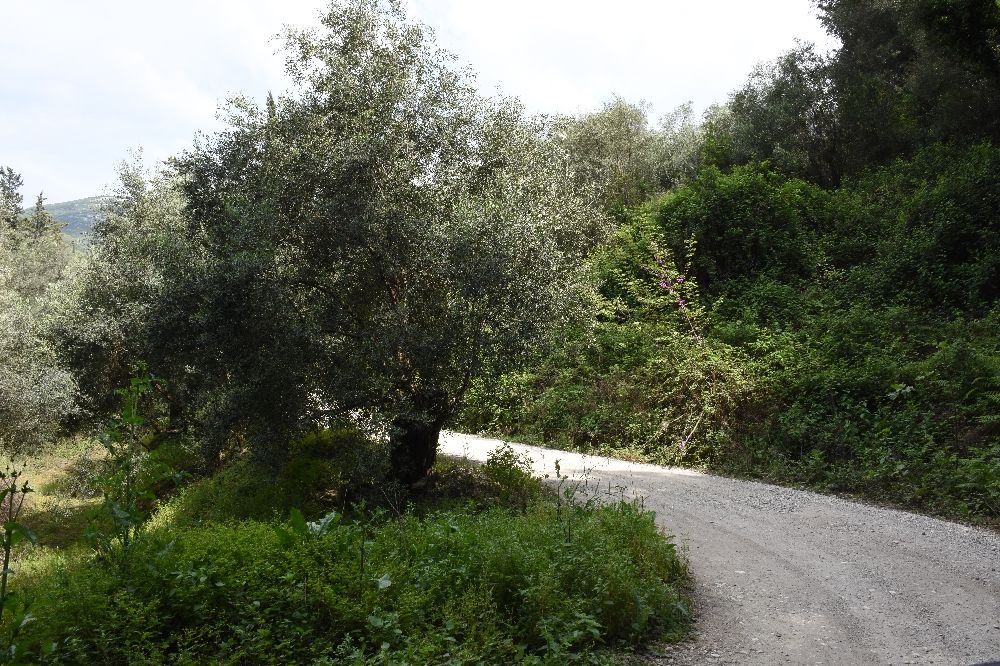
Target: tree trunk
x,y
414,441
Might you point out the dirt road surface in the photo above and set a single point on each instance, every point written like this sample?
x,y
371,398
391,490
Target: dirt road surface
x,y
792,577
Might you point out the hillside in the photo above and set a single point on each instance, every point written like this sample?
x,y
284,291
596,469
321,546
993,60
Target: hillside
x,y
79,215
757,325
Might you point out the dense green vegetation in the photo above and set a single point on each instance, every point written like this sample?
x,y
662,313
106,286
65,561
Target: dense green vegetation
x,y
815,299
800,286
230,400
456,587
846,339
362,244
481,565
37,394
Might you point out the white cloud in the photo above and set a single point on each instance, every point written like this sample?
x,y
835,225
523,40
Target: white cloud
x,y
83,82
665,52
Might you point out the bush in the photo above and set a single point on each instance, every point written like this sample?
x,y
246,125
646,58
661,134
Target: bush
x,y
747,222
324,469
935,228
511,471
494,587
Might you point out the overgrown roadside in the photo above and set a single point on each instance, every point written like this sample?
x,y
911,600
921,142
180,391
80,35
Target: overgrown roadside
x,y
790,576
323,564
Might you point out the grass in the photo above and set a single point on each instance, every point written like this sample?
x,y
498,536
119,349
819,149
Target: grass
x,y
64,480
481,565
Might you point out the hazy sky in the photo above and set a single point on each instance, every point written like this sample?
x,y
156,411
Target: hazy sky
x,y
82,83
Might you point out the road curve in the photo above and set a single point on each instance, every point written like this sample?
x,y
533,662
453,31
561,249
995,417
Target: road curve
x,y
789,576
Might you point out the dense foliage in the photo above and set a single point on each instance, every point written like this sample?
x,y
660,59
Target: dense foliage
x,y
814,299
494,588
611,154
758,324
36,393
802,287
484,568
369,244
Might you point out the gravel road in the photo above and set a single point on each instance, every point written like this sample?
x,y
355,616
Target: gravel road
x,y
792,577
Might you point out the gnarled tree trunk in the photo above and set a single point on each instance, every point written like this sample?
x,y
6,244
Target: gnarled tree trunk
x,y
414,438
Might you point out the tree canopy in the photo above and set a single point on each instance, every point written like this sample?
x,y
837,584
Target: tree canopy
x,y
367,244
36,393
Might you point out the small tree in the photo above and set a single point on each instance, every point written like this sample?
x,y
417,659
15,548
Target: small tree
x,y
11,200
41,223
14,607
36,394
128,484
678,147
101,322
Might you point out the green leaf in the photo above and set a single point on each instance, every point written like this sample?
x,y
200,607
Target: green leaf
x,y
285,538
298,523
324,524
12,602
163,552
19,533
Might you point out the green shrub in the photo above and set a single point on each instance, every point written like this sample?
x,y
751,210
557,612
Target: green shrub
x,y
323,469
492,587
750,221
937,217
512,473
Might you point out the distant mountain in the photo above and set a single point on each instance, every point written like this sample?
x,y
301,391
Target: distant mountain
x,y
79,216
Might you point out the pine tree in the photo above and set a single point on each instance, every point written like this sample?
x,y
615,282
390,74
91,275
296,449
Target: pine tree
x,y
10,199
41,223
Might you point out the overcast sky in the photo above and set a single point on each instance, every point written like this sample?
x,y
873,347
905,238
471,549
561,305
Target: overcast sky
x,y
82,83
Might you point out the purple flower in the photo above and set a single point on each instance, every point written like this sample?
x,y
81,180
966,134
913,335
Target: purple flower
x,y
664,285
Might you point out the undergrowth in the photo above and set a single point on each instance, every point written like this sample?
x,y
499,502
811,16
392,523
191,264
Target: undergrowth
x,y
481,565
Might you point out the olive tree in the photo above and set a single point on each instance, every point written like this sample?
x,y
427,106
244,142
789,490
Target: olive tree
x,y
611,153
36,393
367,244
678,147
104,317
11,201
